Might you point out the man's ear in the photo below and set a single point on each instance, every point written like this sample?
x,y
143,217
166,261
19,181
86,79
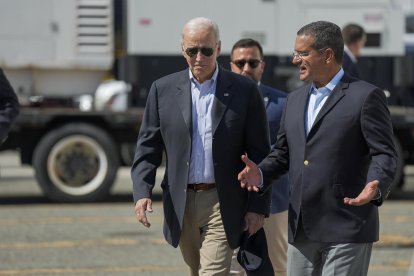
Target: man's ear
x,y
183,51
329,55
218,47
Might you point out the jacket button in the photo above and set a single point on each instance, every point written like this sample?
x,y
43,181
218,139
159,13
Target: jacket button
x,y
306,162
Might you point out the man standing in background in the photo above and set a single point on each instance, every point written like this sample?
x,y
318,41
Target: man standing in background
x,y
354,39
247,60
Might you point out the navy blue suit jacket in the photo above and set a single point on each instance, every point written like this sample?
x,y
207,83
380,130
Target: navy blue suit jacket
x,y
350,67
349,145
275,101
9,106
238,127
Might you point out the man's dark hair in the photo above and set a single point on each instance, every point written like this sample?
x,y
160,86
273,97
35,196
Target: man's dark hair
x,y
326,35
247,43
352,33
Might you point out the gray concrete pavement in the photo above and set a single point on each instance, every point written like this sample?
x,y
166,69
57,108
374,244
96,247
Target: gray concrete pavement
x,y
42,238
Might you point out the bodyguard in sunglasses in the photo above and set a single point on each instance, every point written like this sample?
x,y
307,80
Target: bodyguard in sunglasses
x,y
9,106
335,139
205,118
247,60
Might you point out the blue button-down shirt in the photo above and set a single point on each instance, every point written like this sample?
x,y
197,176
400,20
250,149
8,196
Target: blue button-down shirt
x,y
201,163
318,97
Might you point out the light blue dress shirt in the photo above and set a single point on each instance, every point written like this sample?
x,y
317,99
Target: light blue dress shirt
x,y
201,161
318,97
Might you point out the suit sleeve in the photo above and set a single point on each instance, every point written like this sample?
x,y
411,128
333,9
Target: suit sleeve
x,y
9,106
258,146
377,131
149,149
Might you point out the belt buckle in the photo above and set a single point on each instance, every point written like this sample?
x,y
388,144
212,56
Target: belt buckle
x,y
192,187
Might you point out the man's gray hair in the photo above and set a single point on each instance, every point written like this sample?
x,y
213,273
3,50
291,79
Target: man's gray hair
x,y
201,23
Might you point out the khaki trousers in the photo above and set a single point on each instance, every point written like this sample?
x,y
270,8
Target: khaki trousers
x,y
276,228
203,242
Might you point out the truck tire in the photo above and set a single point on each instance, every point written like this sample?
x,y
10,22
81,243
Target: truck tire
x,y
76,163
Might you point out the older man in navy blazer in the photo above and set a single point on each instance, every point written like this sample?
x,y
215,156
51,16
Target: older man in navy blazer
x,y
204,117
9,106
247,60
335,139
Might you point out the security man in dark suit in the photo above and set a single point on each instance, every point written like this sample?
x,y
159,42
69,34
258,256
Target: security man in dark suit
x,y
247,60
204,117
335,139
9,106
354,39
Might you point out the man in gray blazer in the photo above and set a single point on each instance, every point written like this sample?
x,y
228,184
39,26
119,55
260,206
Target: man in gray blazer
x,y
9,106
335,139
204,118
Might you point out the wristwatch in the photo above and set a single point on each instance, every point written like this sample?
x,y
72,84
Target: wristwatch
x,y
378,195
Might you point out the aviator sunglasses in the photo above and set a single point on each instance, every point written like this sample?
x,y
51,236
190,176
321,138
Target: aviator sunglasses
x,y
253,63
208,52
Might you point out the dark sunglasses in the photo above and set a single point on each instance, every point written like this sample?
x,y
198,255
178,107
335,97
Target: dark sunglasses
x,y
208,52
252,63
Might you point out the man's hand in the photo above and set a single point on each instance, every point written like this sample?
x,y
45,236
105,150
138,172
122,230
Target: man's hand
x,y
253,222
141,207
367,194
250,177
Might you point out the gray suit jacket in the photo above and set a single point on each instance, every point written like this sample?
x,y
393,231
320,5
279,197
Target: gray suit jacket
x,y
349,145
239,126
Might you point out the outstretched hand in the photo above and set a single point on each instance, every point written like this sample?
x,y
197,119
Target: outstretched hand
x,y
250,177
367,194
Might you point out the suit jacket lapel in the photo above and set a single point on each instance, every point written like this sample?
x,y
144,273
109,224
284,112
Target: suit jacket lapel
x,y
222,98
184,102
303,101
267,97
332,100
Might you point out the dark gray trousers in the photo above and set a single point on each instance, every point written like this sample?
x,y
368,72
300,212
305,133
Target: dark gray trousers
x,y
309,258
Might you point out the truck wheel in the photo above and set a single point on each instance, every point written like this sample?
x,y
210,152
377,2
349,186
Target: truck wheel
x,y
398,182
76,163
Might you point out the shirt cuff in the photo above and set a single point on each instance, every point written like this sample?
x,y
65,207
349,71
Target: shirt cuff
x,y
261,180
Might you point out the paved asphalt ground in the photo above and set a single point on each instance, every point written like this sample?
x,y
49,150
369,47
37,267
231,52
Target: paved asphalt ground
x,y
41,238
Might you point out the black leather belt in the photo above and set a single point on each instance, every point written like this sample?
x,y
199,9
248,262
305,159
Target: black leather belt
x,y
201,186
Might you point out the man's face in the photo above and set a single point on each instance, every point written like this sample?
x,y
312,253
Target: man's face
x,y
201,50
311,62
247,62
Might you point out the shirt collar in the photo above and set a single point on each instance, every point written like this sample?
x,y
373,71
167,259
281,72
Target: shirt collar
x,y
332,83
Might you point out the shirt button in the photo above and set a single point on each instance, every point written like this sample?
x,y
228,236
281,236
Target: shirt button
x,y
306,162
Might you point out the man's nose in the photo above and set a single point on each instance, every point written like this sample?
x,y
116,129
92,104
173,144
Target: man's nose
x,y
296,61
246,67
